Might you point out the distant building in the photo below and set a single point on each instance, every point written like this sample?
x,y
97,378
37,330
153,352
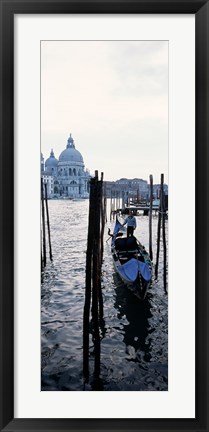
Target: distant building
x,y
49,180
70,178
133,188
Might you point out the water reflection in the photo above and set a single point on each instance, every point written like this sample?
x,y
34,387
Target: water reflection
x,y
137,314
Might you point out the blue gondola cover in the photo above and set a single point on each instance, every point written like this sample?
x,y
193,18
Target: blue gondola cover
x,y
130,269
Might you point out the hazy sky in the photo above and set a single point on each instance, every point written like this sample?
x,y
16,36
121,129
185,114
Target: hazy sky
x,y
113,97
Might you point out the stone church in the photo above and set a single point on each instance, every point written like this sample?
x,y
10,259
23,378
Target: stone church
x,y
66,177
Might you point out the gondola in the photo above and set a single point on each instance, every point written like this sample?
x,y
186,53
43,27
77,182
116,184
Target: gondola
x,y
131,262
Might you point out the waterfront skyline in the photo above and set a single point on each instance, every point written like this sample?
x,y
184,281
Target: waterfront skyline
x,y
113,98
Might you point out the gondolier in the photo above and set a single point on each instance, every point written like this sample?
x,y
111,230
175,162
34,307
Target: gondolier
x,y
131,224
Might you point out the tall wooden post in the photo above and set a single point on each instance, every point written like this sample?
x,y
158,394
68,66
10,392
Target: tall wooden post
x,y
150,217
159,226
164,242
98,237
48,223
101,225
88,280
127,198
102,215
43,223
123,201
137,198
93,275
111,206
117,202
42,267
96,278
105,206
114,204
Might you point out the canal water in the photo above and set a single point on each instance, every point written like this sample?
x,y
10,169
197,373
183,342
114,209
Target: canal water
x,y
134,345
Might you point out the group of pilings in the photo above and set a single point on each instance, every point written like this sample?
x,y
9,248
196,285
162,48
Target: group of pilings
x,y
114,203
117,198
161,228
45,221
93,290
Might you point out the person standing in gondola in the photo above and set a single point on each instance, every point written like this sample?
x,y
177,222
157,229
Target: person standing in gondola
x,y
131,224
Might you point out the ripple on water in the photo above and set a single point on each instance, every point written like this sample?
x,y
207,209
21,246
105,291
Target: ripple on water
x,y
134,340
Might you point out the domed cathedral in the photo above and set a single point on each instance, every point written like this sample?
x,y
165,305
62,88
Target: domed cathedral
x,y
70,179
72,176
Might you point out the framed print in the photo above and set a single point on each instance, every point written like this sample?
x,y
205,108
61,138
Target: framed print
x,y
120,88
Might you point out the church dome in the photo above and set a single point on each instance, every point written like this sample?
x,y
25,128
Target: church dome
x,y
51,162
70,154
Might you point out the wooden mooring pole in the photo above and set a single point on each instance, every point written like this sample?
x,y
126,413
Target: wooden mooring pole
x,y
123,200
48,223
159,228
127,198
88,281
164,242
111,206
99,242
103,214
150,217
96,278
93,275
105,205
43,224
161,224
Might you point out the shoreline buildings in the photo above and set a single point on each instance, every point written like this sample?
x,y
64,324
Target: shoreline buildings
x,y
66,177
136,188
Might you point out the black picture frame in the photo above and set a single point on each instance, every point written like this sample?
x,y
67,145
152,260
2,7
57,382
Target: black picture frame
x,y
7,11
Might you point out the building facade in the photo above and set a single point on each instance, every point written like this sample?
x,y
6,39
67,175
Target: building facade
x,y
133,187
136,189
70,178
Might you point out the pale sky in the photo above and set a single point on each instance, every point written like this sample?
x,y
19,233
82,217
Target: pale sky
x,y
113,97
